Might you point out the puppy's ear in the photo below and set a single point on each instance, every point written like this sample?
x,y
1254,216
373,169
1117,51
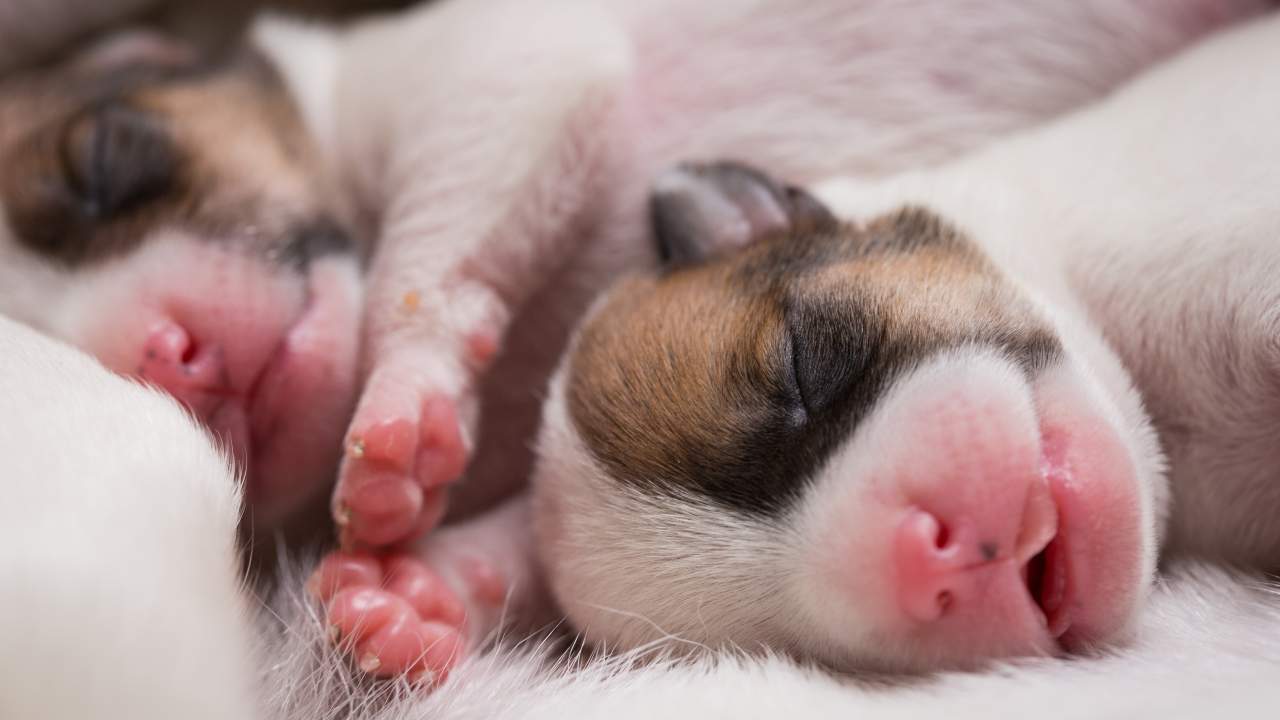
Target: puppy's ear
x,y
700,210
134,47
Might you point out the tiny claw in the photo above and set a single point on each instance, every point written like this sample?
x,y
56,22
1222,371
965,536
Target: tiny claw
x,y
370,663
356,448
424,677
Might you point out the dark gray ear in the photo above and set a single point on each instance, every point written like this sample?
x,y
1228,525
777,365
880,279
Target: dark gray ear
x,y
701,209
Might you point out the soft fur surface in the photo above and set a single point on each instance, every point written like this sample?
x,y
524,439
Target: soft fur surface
x,y
1208,644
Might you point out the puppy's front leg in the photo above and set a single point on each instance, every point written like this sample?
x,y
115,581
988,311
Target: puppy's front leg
x,y
119,594
528,121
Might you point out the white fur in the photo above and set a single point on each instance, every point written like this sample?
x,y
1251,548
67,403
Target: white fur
x,y
118,578
602,555
307,57
1207,646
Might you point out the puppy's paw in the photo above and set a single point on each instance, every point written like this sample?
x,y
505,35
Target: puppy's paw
x,y
407,443
392,615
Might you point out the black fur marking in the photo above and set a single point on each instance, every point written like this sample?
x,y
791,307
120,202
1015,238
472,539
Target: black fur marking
x,y
312,240
844,360
81,191
117,158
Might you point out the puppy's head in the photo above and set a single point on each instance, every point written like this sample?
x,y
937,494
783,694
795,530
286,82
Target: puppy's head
x,y
167,215
857,442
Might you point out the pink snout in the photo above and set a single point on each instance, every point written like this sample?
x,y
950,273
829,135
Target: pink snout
x,y
946,565
176,362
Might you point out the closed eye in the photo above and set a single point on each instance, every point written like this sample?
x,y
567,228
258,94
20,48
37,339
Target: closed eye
x,y
794,394
829,353
116,158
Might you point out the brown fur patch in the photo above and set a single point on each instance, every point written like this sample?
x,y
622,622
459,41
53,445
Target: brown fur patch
x,y
95,160
734,379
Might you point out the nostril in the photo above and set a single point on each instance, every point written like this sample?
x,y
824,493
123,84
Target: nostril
x,y
926,565
168,344
175,361
188,354
943,536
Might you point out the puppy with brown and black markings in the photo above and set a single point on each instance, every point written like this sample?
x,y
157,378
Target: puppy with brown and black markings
x,y
925,422
168,214
863,442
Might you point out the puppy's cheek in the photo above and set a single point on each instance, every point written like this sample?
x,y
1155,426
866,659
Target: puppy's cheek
x,y
306,398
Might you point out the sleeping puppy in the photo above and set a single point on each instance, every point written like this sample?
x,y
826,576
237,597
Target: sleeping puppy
x,y
926,422
203,226
169,215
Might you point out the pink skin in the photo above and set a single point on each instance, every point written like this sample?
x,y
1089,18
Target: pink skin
x,y
419,612
997,480
265,358
407,440
395,613
397,462
1100,541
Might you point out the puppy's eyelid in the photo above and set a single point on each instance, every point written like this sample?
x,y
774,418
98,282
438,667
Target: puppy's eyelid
x,y
116,157
794,370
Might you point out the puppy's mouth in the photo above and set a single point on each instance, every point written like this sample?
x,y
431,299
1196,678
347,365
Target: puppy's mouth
x,y
1047,580
1087,579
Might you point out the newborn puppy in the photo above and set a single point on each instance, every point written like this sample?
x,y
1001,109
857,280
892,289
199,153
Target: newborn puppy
x,y
169,216
899,428
864,443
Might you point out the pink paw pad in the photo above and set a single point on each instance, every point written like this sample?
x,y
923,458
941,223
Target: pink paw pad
x,y
391,485
393,616
442,455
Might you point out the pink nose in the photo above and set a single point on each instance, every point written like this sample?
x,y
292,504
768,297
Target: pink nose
x,y
942,566
932,565
177,363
